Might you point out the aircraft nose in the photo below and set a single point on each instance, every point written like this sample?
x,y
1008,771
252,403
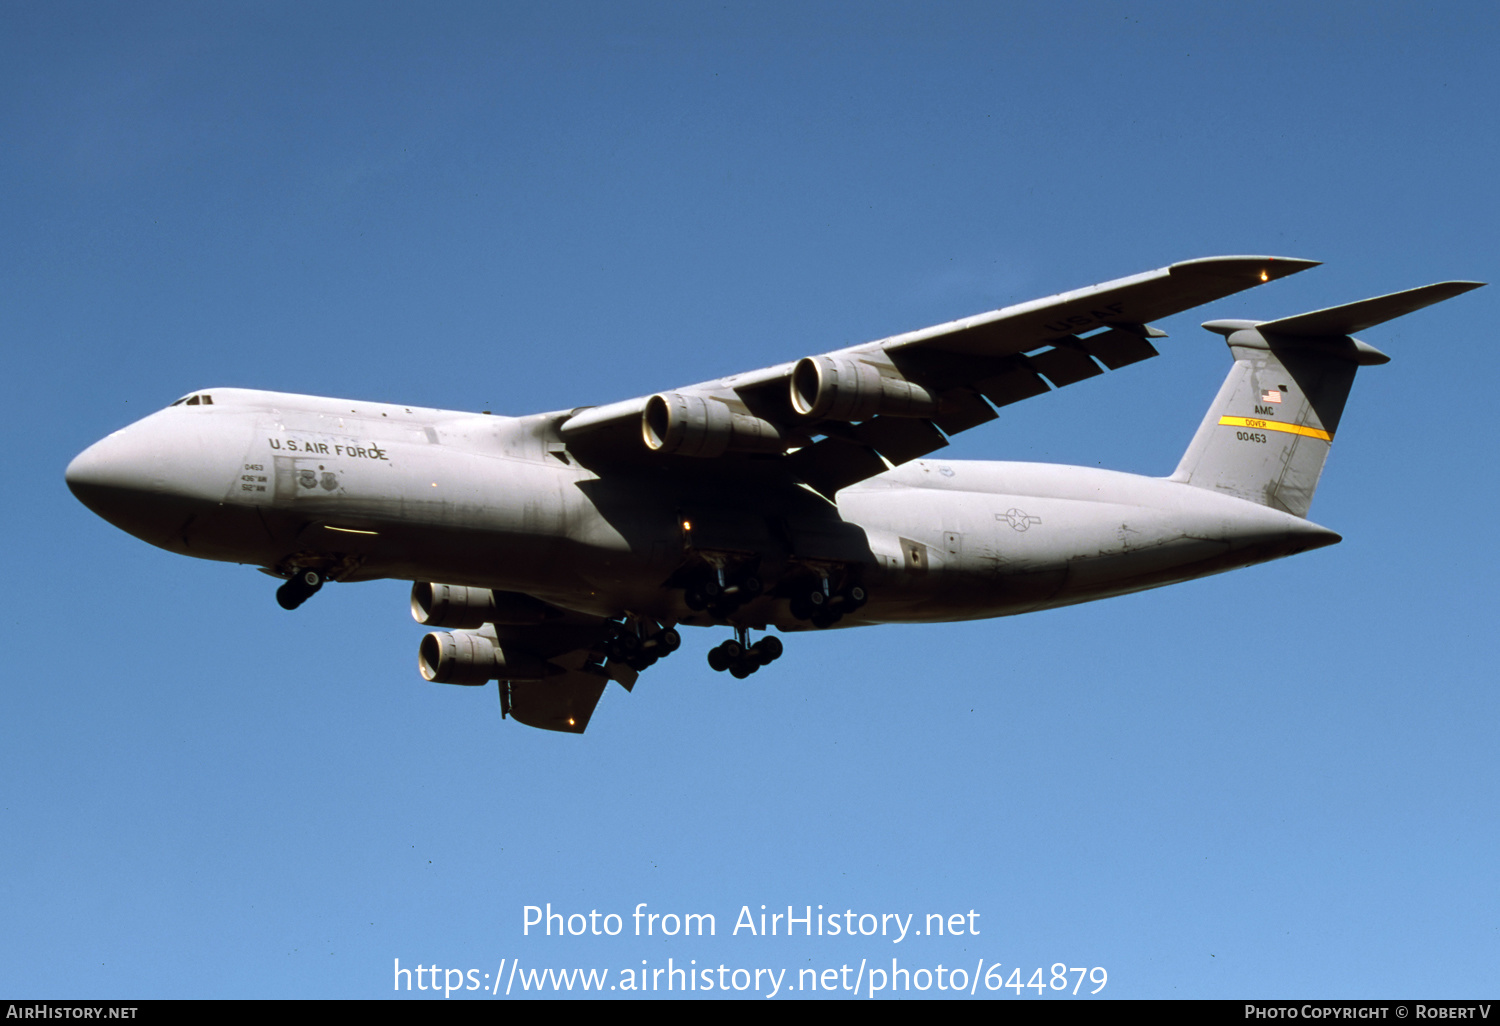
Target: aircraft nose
x,y
160,475
106,475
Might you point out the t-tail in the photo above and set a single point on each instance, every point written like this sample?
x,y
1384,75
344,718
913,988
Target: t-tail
x,y
1267,435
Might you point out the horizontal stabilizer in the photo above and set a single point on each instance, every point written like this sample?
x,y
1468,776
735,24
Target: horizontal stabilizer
x,y
1353,317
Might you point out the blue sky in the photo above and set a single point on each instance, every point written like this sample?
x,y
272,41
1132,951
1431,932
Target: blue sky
x,y
1278,782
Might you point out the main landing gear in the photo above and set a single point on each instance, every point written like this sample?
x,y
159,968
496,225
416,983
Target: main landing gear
x,y
639,646
300,587
742,659
823,609
720,593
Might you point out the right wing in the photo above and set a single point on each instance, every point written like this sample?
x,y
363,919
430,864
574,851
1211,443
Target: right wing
x,y
845,416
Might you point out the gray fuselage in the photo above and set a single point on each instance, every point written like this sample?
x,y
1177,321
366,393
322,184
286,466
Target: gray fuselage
x,y
361,491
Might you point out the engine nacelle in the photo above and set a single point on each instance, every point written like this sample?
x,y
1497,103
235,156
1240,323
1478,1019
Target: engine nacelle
x,y
474,658
450,605
453,605
690,425
844,388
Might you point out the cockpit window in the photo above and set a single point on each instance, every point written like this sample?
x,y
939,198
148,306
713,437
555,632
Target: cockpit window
x,y
195,400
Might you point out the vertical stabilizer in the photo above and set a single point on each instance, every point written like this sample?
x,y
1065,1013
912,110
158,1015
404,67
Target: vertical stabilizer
x,y
1266,436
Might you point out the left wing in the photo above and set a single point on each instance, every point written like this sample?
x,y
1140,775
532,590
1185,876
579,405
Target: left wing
x,y
841,417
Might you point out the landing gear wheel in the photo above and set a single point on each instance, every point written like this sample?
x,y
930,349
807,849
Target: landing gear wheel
x,y
669,640
624,646
300,587
808,604
742,669
726,656
767,650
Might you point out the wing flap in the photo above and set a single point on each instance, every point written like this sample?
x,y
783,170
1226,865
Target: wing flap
x,y
1064,365
563,703
835,463
1011,387
564,700
899,439
1120,347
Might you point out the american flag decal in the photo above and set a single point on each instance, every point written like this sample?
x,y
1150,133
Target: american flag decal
x,y
1270,395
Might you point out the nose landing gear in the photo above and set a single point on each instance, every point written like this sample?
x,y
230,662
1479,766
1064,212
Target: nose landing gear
x,y
300,587
742,659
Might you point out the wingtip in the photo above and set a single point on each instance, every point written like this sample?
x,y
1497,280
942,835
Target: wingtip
x,y
1296,263
1442,290
1266,268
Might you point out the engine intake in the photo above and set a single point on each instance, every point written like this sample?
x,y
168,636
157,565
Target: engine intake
x,y
690,425
473,658
843,388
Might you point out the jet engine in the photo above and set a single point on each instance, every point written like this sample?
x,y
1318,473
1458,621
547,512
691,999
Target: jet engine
x,y
473,658
843,388
690,425
453,605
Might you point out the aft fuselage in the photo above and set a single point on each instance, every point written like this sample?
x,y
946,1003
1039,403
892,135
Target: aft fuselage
x,y
361,491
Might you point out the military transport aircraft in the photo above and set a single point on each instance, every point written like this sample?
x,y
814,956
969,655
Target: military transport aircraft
x,y
562,550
